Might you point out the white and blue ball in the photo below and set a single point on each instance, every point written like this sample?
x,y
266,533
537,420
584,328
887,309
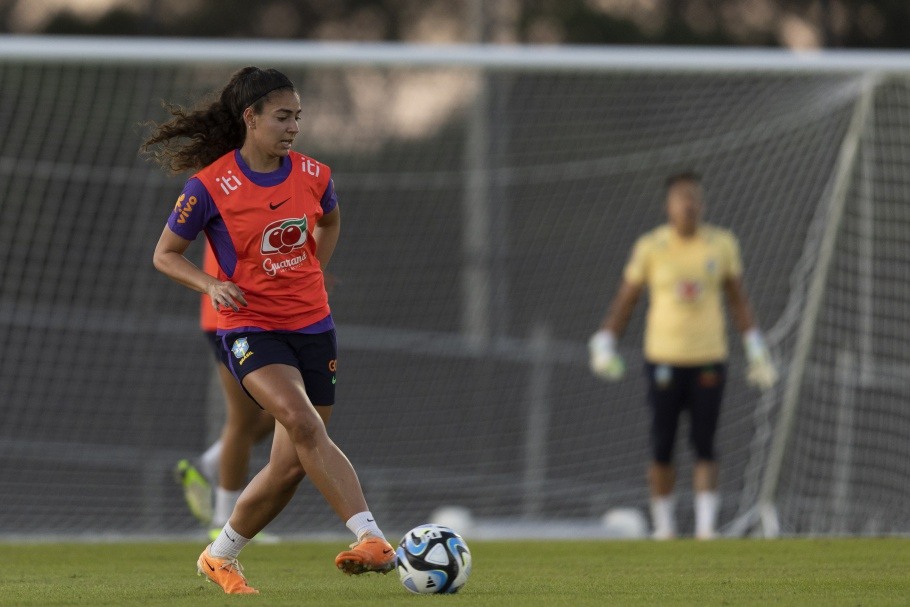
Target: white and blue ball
x,y
433,559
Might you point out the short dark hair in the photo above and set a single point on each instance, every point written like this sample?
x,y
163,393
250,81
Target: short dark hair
x,y
672,180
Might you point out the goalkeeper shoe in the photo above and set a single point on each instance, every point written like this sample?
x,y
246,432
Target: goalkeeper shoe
x,y
225,572
369,554
197,491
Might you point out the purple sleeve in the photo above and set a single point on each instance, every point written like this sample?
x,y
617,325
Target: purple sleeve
x,y
329,199
193,211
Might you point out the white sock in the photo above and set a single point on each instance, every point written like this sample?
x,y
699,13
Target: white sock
x,y
362,524
228,544
663,516
210,462
707,503
225,500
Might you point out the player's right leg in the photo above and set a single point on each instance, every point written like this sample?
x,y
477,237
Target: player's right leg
x,y
245,426
260,502
666,400
661,479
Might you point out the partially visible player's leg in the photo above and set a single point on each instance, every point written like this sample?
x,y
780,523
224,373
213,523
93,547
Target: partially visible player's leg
x,y
707,499
665,397
199,475
197,490
661,478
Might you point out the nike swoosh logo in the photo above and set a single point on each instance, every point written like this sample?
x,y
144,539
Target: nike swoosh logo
x,y
229,537
275,205
209,564
371,520
386,551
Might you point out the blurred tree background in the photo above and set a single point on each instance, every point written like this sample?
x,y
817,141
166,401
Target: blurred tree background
x,y
786,23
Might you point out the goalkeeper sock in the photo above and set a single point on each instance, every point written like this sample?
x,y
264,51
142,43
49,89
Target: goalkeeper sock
x,y
663,516
706,507
362,524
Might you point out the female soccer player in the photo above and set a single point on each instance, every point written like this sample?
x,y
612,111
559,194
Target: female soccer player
x,y
272,218
687,266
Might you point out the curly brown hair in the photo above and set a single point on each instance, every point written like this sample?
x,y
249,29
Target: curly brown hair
x,y
193,139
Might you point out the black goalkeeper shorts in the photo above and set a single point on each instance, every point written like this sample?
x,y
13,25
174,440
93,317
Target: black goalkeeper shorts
x,y
672,390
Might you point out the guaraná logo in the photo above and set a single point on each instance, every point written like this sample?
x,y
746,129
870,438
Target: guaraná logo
x,y
284,236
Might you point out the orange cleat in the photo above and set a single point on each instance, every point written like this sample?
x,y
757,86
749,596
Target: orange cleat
x,y
227,573
369,554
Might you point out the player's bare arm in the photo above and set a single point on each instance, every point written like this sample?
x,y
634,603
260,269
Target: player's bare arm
x,y
170,261
621,308
738,301
326,235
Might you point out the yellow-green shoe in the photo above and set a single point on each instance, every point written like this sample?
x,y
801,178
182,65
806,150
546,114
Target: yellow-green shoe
x,y
197,491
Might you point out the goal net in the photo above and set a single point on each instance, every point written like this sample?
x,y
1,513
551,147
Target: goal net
x,y
490,198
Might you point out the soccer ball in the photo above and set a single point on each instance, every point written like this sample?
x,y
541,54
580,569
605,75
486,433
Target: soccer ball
x,y
433,559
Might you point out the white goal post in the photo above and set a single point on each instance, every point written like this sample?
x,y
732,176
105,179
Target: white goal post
x,y
491,195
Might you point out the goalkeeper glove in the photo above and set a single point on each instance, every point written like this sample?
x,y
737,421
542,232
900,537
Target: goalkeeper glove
x,y
761,372
605,362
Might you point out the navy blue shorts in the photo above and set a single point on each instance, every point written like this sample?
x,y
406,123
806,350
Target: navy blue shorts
x,y
672,390
313,355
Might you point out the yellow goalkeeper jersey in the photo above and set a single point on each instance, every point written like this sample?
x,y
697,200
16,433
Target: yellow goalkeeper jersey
x,y
685,321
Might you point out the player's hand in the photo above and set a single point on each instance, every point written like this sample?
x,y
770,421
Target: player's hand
x,y
761,372
605,362
225,295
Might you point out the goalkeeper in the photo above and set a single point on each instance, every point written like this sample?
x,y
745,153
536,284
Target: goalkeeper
x,y
687,267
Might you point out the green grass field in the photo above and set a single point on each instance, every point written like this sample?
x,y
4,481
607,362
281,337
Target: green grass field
x,y
726,572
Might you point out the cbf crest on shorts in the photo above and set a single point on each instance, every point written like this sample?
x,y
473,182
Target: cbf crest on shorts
x,y
663,375
241,349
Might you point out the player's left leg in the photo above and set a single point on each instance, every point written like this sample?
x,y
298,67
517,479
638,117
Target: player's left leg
x,y
706,396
